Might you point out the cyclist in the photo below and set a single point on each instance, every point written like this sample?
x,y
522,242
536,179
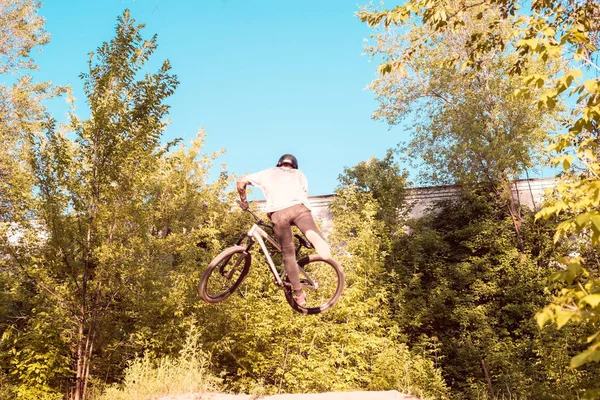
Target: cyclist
x,y
286,191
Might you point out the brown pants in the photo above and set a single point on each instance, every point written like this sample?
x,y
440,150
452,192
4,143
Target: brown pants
x,y
300,216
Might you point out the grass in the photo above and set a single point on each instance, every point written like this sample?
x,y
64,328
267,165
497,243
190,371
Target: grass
x,y
150,378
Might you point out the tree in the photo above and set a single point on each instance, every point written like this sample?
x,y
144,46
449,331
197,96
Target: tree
x,y
22,109
467,295
22,112
23,30
385,181
467,126
544,30
91,201
106,178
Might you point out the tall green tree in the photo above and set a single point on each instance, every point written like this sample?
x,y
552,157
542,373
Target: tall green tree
x,y
105,179
22,112
91,206
547,31
468,128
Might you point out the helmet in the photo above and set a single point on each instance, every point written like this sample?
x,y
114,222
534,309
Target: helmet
x,y
288,159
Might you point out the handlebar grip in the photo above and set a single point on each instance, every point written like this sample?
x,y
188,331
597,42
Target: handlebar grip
x,y
242,206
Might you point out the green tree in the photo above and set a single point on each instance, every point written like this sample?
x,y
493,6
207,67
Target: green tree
x,y
22,113
23,30
468,296
468,128
105,179
386,183
90,203
22,100
259,345
546,31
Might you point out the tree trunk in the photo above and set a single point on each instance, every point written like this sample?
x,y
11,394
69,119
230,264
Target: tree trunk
x,y
83,336
88,361
76,395
515,215
513,208
83,361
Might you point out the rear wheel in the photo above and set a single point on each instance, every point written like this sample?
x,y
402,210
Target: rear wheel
x,y
224,274
323,281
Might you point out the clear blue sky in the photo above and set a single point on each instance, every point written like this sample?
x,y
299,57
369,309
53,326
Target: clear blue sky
x,y
263,77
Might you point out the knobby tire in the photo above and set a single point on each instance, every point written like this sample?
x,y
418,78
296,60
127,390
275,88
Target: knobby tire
x,y
329,276
217,276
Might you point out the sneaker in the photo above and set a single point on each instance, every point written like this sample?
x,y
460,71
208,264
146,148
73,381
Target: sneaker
x,y
300,299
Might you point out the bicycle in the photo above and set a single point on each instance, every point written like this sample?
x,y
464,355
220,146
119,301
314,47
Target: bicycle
x,y
322,279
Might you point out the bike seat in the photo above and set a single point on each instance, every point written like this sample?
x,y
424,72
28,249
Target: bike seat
x,y
304,242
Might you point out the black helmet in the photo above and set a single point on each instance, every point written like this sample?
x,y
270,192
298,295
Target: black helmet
x,y
288,159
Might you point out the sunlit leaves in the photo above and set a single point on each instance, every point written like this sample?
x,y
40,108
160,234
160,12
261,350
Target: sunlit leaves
x,y
548,30
22,31
579,301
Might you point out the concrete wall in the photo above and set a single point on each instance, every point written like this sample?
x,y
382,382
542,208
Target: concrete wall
x,y
528,192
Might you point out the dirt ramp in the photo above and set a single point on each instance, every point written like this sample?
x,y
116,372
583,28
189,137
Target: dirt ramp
x,y
386,395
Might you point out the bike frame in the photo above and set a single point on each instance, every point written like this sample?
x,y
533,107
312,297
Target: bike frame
x,y
257,234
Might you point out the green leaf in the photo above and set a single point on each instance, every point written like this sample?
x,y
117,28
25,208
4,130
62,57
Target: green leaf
x,y
595,219
582,219
567,161
562,317
576,73
384,69
593,337
531,43
591,85
543,317
585,357
592,299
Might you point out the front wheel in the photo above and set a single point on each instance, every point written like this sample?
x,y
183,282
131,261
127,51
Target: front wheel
x,y
224,274
323,281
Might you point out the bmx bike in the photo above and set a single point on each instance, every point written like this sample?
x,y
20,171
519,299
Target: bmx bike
x,y
322,278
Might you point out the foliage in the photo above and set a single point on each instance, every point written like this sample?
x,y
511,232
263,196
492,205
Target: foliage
x,y
111,233
260,346
22,30
547,31
386,183
468,128
110,229
466,294
22,113
22,100
147,377
466,125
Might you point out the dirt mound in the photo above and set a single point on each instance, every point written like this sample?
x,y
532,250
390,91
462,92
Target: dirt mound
x,y
387,395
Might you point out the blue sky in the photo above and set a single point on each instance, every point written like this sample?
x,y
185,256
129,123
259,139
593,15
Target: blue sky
x,y
263,77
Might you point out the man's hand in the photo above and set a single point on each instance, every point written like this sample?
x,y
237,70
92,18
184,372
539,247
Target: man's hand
x,y
241,188
243,204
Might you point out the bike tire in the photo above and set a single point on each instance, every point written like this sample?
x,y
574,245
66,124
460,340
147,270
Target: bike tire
x,y
215,286
330,278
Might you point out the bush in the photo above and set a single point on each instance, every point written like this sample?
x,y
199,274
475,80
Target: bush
x,y
148,377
